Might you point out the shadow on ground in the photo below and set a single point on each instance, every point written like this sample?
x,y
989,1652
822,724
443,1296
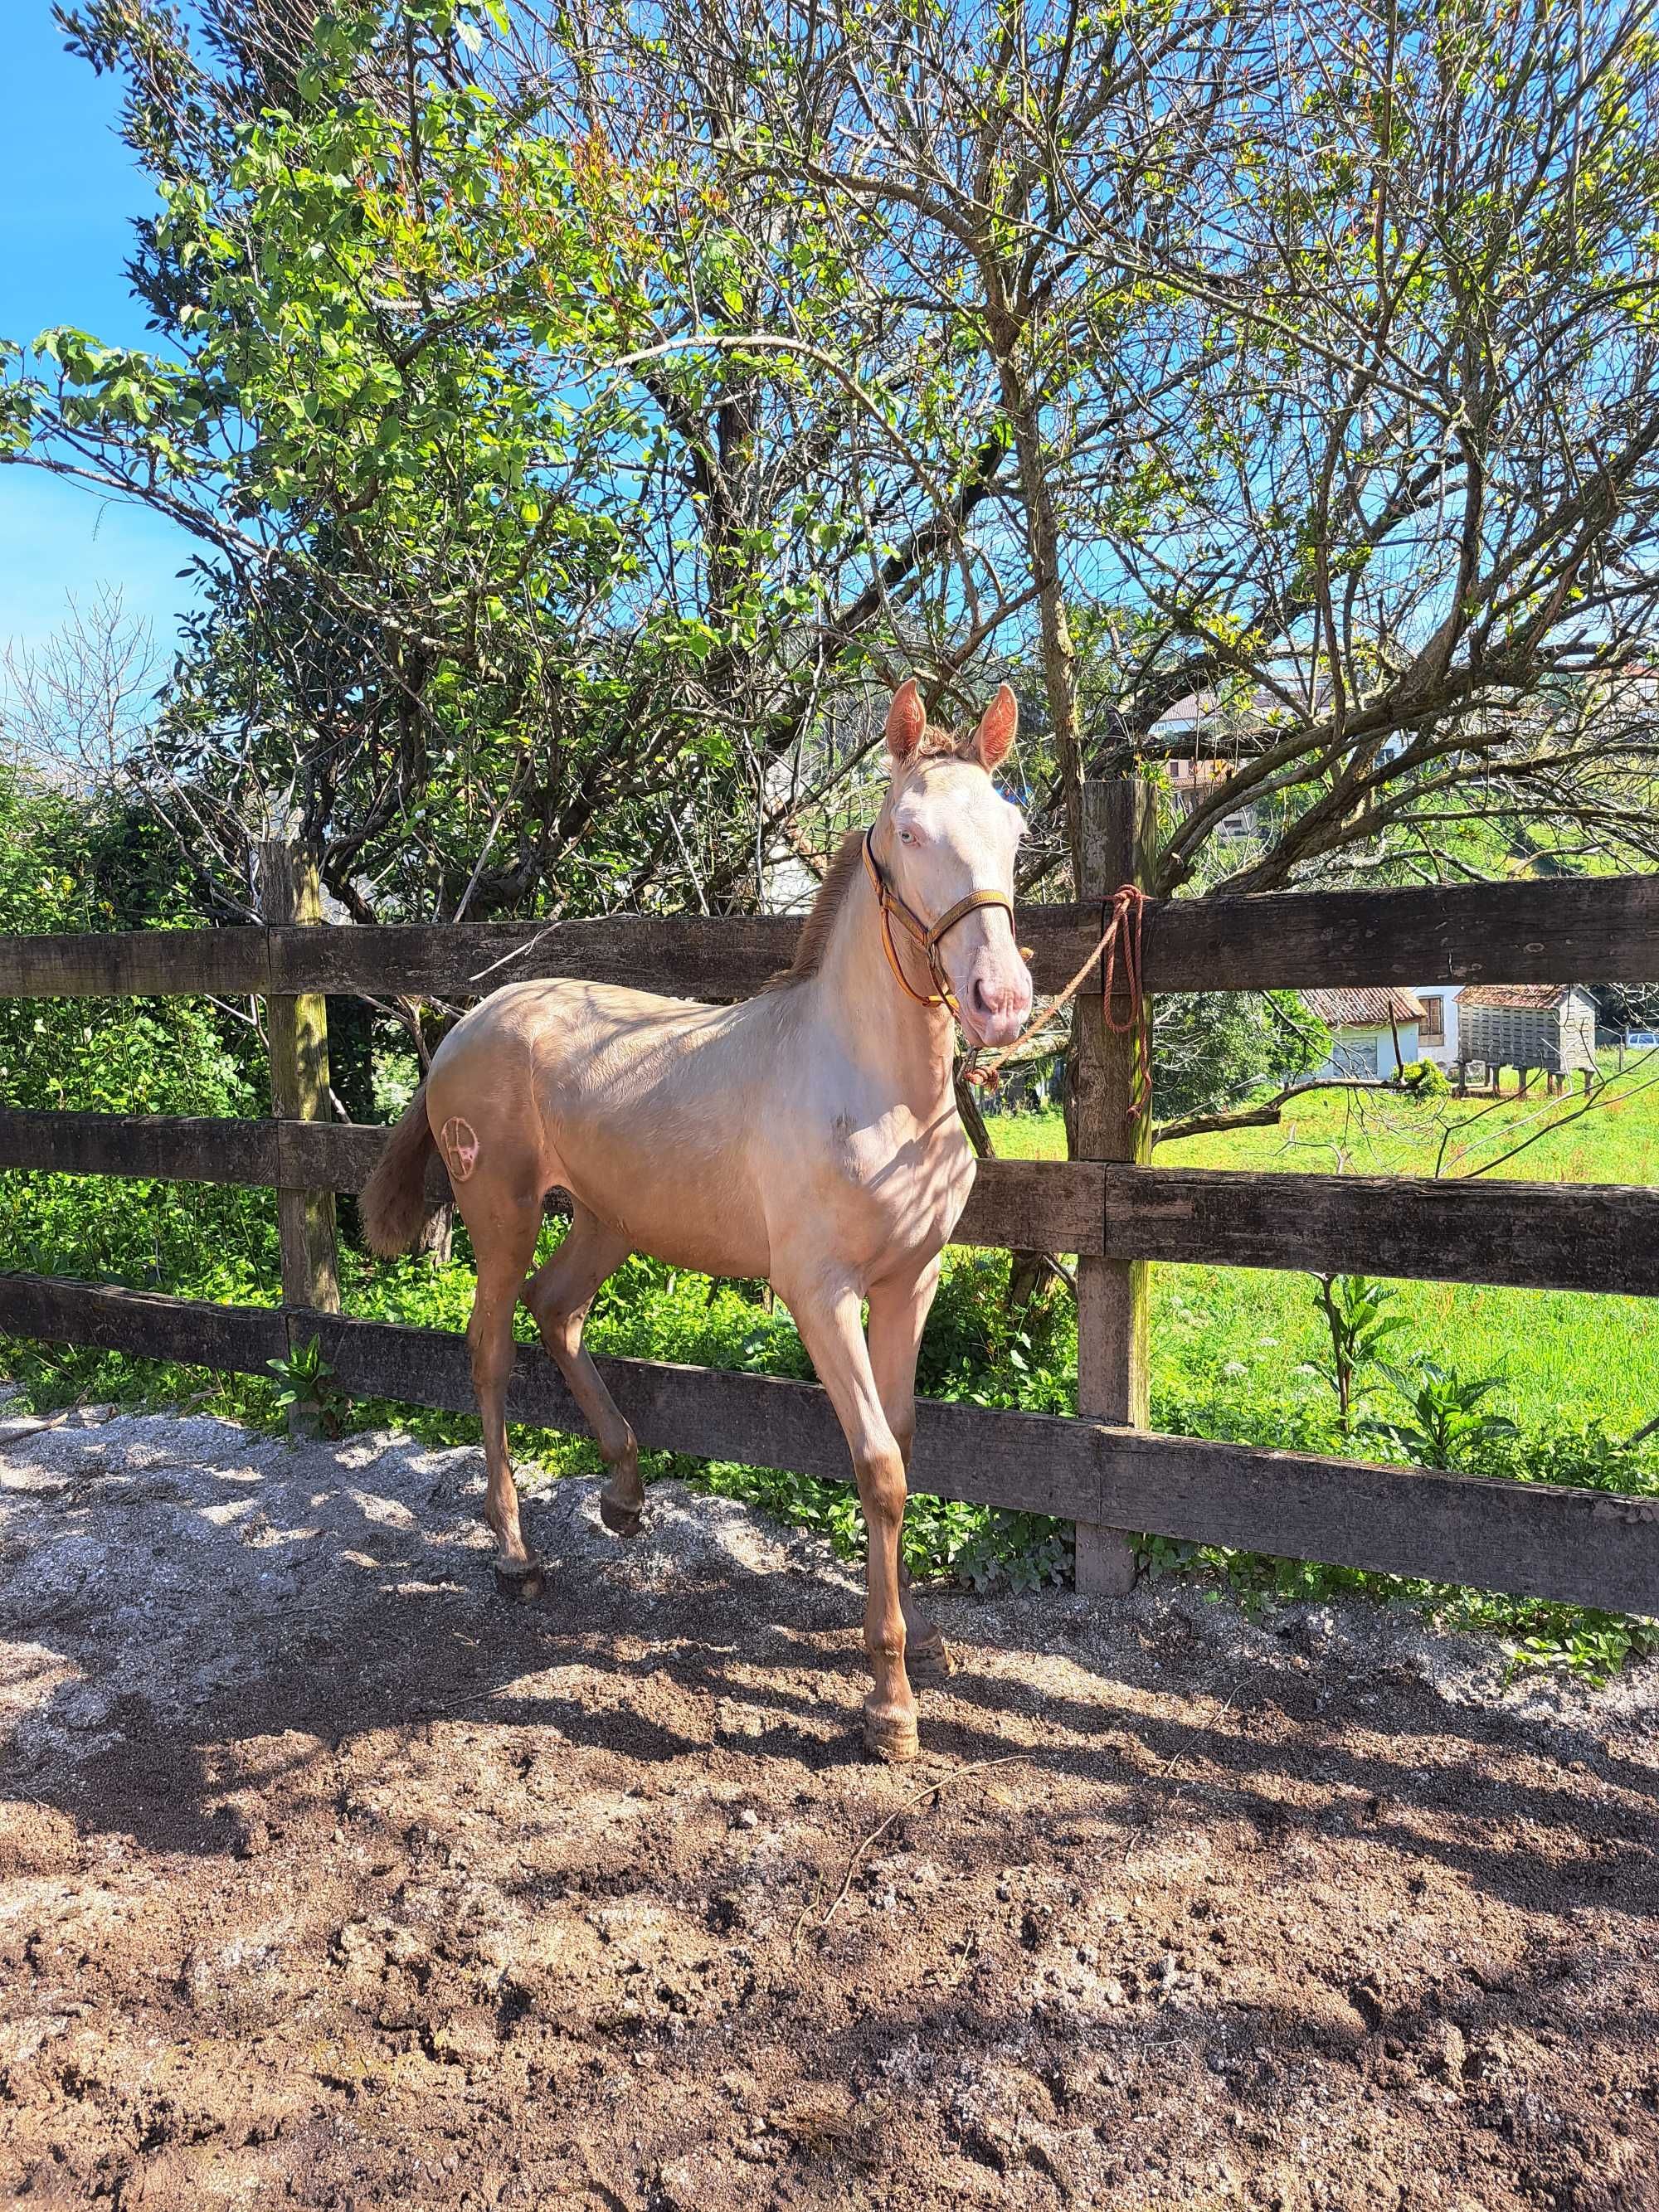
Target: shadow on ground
x,y
333,1878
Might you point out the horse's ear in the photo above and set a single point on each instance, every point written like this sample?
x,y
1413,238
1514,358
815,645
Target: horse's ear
x,y
907,721
997,727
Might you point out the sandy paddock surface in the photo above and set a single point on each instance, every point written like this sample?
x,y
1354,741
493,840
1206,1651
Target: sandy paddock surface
x,y
328,1878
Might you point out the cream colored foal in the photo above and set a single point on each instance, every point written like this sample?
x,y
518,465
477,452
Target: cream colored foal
x,y
808,1136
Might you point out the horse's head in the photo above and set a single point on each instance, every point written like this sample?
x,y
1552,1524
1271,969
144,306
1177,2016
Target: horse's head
x,y
945,833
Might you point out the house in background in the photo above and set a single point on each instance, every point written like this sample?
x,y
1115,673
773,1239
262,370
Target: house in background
x,y
1547,1026
1192,781
1198,721
1373,1033
1211,728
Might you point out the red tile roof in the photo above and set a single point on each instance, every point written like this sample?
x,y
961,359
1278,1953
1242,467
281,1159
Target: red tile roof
x,y
1529,998
1370,1009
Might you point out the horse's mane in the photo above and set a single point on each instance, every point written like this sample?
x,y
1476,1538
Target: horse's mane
x,y
814,937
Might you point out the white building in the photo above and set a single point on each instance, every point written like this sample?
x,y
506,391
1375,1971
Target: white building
x,y
1373,1033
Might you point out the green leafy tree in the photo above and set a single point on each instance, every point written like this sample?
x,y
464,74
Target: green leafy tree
x,y
70,866
573,411
539,485
1212,1049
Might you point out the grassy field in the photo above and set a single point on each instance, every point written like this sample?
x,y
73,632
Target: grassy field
x,y
1232,1332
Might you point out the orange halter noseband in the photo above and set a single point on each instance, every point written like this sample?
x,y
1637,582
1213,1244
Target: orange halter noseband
x,y
891,905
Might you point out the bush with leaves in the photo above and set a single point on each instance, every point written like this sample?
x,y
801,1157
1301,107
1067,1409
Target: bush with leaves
x,y
1446,1422
1354,1308
66,865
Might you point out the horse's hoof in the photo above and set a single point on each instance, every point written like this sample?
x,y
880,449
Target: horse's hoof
x,y
929,1663
891,1738
620,1520
525,1582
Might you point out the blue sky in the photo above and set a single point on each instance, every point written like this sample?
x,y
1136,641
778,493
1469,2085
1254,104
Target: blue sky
x,y
64,237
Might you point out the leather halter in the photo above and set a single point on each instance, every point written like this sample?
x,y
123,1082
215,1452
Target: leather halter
x,y
892,907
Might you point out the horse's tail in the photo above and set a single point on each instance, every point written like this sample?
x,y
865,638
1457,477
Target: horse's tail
x,y
392,1207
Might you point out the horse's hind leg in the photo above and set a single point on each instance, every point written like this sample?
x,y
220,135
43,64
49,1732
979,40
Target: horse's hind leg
x,y
503,1226
559,1294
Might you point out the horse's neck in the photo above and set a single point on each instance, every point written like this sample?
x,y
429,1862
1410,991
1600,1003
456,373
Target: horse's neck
x,y
878,1026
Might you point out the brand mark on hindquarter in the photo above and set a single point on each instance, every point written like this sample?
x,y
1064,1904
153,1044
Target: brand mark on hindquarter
x,y
457,1140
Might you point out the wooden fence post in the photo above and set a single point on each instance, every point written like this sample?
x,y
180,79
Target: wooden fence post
x,y
296,1032
1120,823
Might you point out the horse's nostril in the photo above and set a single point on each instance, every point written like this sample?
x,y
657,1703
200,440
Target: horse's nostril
x,y
995,999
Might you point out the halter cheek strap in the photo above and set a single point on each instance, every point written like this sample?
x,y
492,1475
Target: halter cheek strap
x,y
892,908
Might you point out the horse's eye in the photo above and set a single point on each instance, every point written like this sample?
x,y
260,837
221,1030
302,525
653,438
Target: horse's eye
x,y
907,837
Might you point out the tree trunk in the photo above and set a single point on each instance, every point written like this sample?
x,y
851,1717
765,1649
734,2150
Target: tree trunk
x,y
437,1237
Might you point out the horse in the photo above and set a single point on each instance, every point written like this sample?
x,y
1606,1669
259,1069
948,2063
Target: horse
x,y
808,1136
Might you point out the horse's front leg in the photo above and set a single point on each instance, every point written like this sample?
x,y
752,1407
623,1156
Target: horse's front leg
x,y
898,1314
828,1317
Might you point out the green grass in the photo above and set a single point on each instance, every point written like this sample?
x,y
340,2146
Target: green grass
x,y
1245,1332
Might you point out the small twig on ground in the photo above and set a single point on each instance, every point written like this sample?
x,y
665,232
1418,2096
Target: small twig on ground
x,y
931,1790
1199,1727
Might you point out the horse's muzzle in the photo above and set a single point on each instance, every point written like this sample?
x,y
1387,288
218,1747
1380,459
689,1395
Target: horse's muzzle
x,y
996,1004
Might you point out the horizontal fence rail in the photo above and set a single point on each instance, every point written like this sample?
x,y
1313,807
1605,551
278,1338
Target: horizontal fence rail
x,y
1111,1210
1531,1235
1578,1546
1557,930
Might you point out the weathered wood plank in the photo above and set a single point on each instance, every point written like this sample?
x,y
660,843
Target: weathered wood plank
x,y
1578,1546
1056,1202
1558,929
139,963
342,1155
239,1339
176,1148
683,955
1568,1237
1045,1206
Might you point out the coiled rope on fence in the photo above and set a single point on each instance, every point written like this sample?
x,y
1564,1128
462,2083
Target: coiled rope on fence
x,y
1123,918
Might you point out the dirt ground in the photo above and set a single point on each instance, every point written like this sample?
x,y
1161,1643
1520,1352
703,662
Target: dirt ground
x,y
331,1879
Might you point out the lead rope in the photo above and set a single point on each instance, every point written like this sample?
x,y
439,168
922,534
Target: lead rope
x,y
1122,917
1127,906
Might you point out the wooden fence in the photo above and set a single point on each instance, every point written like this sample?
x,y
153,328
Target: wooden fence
x,y
1104,1470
